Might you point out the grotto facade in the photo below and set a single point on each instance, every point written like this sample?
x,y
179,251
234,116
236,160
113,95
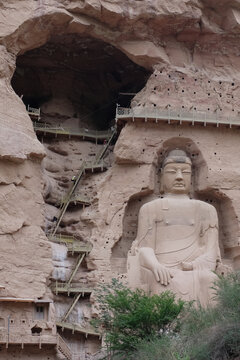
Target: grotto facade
x,y
94,95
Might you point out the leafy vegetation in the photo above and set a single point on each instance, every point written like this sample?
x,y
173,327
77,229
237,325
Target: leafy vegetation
x,y
214,333
128,317
139,326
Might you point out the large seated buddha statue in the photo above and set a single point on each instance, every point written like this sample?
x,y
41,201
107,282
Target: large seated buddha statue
x,y
177,245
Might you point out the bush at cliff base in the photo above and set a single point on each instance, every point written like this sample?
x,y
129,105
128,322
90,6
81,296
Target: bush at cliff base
x,y
204,334
214,333
128,317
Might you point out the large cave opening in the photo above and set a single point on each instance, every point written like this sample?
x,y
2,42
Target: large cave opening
x,y
77,81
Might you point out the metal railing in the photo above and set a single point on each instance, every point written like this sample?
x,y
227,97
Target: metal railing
x,y
34,111
181,115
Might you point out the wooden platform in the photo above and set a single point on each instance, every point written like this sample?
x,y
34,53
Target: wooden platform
x,y
72,243
180,117
78,199
65,288
86,330
84,134
22,339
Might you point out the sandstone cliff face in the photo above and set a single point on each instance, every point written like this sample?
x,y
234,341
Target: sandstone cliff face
x,y
187,53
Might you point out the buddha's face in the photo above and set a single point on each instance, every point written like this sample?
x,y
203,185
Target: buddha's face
x,y
176,178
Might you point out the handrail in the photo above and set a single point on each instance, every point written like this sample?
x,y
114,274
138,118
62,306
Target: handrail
x,y
64,205
177,114
33,111
70,309
75,269
59,238
102,152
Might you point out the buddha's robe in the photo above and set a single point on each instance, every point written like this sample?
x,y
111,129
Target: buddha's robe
x,y
178,230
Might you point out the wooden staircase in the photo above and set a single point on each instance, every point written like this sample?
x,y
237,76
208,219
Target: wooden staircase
x,y
69,310
96,165
67,199
63,348
73,245
75,269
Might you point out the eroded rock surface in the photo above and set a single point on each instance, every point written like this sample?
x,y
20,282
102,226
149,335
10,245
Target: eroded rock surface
x,y
177,55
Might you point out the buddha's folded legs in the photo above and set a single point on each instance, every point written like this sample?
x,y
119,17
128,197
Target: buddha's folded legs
x,y
187,285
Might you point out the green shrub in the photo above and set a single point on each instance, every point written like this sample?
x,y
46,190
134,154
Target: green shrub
x,y
131,316
214,333
139,326
228,294
155,349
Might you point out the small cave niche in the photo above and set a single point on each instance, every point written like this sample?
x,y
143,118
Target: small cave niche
x,y
227,220
130,225
199,166
77,79
36,330
2,322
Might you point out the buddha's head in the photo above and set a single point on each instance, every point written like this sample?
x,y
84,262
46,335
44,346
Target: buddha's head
x,y
176,173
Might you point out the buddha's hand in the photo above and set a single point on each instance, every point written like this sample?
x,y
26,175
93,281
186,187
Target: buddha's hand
x,y
162,274
187,266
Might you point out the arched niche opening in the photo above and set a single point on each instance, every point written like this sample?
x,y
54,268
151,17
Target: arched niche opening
x,y
130,223
201,190
77,80
228,222
199,166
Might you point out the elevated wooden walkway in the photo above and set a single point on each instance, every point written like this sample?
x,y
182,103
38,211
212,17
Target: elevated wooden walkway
x,y
86,330
65,288
84,134
170,116
23,339
78,290
9,338
73,245
78,199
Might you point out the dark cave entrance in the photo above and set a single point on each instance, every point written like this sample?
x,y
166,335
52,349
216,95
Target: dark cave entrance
x,y
77,80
